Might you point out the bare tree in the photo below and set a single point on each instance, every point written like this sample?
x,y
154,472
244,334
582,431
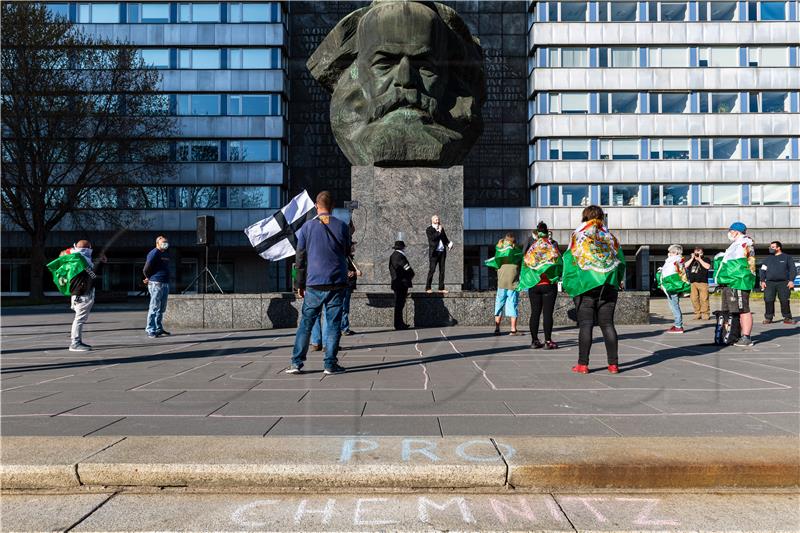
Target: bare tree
x,y
80,138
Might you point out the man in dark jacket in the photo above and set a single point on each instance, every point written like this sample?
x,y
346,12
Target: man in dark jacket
x,y
438,244
402,274
322,248
777,277
156,277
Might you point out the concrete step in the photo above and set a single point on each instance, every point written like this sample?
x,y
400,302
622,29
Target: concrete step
x,y
546,465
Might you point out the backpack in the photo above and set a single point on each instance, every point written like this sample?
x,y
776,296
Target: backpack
x,y
82,283
728,328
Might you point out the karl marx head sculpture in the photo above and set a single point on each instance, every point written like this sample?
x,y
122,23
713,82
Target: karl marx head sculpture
x,y
407,84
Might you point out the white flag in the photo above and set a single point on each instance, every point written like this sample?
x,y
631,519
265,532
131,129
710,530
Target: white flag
x,y
274,237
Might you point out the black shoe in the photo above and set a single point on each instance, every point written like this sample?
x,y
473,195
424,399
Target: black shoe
x,y
536,344
163,332
335,369
402,327
348,332
497,331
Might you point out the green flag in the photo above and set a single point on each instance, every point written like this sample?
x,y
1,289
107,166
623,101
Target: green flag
x,y
65,268
542,259
737,267
504,253
672,277
594,258
576,281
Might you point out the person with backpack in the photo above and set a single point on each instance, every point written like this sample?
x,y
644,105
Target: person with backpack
x,y
322,247
594,271
74,273
735,272
541,270
673,281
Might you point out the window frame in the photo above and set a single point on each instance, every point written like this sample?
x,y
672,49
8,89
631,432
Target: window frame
x,y
658,188
191,52
191,18
706,17
139,16
91,6
711,189
607,189
757,194
607,149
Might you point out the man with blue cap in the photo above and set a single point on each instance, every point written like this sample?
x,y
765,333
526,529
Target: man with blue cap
x,y
735,272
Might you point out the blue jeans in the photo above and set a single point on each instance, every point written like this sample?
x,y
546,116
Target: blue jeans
x,y
158,304
314,304
318,331
346,309
675,306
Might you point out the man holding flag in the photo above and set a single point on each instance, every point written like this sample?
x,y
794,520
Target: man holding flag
x,y
594,270
735,271
541,270
74,274
673,281
507,258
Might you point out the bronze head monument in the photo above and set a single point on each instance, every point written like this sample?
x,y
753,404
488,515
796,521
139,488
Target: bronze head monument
x,y
407,84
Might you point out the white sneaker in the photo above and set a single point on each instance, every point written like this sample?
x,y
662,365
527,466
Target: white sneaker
x,y
80,347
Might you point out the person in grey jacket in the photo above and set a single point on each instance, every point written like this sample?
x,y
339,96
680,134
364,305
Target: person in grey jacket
x,y
777,277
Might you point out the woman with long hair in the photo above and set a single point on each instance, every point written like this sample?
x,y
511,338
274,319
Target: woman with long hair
x,y
594,271
541,270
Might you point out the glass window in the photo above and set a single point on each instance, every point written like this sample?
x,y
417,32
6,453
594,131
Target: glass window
x,y
553,57
574,57
198,151
573,11
254,104
726,194
674,57
154,12
724,11
669,195
156,57
625,195
254,150
575,103
151,104
624,102
198,197
553,194
555,105
622,11
254,12
254,58
623,57
555,149
773,10
253,197
575,149
774,56
199,59
673,11
574,195
198,104
58,10
776,148
724,102
625,149
552,11
773,102
725,148
720,56
676,148
98,13
200,12
770,194
673,102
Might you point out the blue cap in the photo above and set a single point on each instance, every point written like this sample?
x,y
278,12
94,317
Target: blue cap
x,y
739,226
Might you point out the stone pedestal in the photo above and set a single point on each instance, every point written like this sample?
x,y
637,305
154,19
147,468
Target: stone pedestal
x,y
399,199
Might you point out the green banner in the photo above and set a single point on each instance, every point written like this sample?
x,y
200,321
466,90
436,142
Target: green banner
x,y
576,281
64,269
503,255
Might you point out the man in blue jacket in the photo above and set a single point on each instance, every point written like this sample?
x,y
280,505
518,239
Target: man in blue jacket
x,y
322,248
156,277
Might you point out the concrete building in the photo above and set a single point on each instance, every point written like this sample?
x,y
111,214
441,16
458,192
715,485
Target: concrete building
x,y
678,117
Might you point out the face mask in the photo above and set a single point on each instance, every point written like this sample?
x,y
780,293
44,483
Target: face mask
x,y
164,245
772,251
731,236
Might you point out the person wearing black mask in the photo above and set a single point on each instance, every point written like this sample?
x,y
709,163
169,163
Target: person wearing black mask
x,y
777,277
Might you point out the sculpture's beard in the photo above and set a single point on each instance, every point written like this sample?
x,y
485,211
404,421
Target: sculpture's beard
x,y
401,127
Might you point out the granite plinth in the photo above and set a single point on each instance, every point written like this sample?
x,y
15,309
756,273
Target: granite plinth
x,y
402,200
374,309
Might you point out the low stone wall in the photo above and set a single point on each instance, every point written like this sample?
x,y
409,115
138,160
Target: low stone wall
x,y
281,310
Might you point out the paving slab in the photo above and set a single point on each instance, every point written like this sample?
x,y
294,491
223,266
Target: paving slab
x,y
579,463
36,512
296,462
47,426
188,425
31,462
378,426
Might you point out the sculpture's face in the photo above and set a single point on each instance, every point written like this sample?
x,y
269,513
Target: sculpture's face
x,y
394,105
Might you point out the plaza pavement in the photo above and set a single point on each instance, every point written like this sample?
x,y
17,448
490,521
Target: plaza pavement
x,y
426,382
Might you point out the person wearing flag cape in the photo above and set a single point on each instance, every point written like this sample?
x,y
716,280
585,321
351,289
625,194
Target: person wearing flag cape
x,y
74,273
672,279
735,272
507,258
594,271
541,269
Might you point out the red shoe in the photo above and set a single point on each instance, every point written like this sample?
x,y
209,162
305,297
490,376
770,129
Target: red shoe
x,y
673,329
550,345
613,369
581,369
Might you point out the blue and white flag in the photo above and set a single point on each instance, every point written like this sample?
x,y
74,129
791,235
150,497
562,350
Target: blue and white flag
x,y
274,237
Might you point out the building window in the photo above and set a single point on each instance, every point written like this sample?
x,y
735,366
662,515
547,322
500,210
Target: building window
x,y
669,103
766,10
569,149
198,104
769,102
569,103
254,150
152,104
200,12
254,12
619,102
569,57
199,59
197,197
717,194
667,11
620,195
770,148
667,195
617,11
198,151
148,12
155,57
573,11
255,104
568,195
254,58
624,57
768,56
669,148
253,197
671,56
97,13
719,56
619,149
771,194
720,148
58,10
719,102
717,11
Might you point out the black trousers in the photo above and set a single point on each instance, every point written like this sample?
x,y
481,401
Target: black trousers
x,y
782,290
400,296
543,301
438,258
596,307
